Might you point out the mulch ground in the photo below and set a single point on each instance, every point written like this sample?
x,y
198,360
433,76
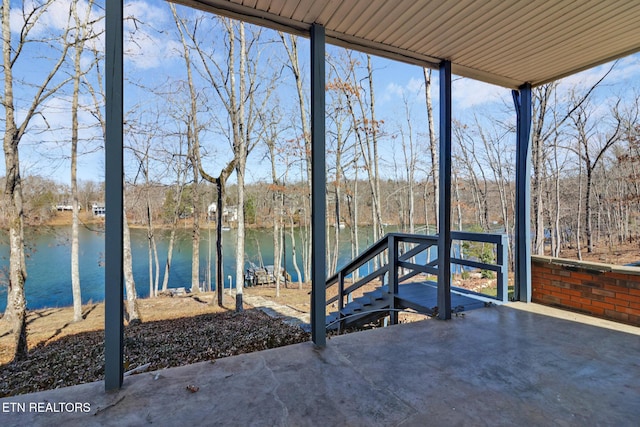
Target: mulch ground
x,y
79,358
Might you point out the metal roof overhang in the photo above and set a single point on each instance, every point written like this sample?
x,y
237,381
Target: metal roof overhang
x,y
503,42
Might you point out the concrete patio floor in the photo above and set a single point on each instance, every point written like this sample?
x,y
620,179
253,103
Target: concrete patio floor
x,y
517,364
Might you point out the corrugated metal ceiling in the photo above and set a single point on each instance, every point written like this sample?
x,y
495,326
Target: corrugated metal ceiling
x,y
505,42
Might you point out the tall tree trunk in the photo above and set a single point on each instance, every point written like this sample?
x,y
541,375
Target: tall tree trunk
x,y
410,167
75,267
16,312
277,242
195,236
220,189
133,313
193,154
456,183
292,53
240,155
425,201
338,198
278,206
541,96
240,239
294,256
374,142
356,215
433,145
154,263
172,235
588,214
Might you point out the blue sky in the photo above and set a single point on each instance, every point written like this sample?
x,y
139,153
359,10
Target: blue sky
x,y
153,56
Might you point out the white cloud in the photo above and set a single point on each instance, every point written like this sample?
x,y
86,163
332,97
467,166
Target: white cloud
x,y
145,50
54,18
625,69
45,147
413,88
585,79
392,91
415,85
468,93
147,47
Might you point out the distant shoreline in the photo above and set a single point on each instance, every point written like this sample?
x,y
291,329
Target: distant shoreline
x,y
64,218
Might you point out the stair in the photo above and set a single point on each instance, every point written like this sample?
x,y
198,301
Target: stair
x,y
368,308
399,267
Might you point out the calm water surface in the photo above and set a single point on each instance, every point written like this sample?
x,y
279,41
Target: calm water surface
x,y
49,254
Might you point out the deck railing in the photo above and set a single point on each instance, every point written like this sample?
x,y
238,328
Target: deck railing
x,y
401,256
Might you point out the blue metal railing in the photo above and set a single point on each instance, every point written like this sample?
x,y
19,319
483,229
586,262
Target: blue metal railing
x,y
402,256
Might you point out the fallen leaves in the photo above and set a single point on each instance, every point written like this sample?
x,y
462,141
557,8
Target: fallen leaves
x,y
79,358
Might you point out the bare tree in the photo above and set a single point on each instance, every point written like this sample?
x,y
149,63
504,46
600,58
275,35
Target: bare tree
x,y
193,143
473,165
592,147
142,154
28,17
278,199
132,313
194,159
97,92
234,81
372,152
433,147
291,47
366,129
410,154
539,133
178,188
340,133
500,157
542,130
83,32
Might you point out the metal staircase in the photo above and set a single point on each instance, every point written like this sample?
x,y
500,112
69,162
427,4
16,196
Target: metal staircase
x,y
368,308
401,260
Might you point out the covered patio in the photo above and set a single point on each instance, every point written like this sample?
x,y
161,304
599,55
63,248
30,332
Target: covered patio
x,y
517,364
502,363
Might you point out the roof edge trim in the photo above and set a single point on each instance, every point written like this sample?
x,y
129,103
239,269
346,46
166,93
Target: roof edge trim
x,y
250,15
602,61
270,20
379,49
494,79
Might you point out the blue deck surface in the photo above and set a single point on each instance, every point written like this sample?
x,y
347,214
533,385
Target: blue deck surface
x,y
423,297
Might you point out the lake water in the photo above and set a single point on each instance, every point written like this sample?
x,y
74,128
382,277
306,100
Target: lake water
x,y
49,253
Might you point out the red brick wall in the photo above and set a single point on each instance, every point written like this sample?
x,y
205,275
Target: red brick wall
x,y
601,290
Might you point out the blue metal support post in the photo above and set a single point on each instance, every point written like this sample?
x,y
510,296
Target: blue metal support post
x,y
392,246
340,299
444,214
113,293
502,283
318,187
522,101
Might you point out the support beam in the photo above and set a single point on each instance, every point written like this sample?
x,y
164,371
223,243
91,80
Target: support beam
x,y
392,246
444,214
318,183
522,101
113,292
